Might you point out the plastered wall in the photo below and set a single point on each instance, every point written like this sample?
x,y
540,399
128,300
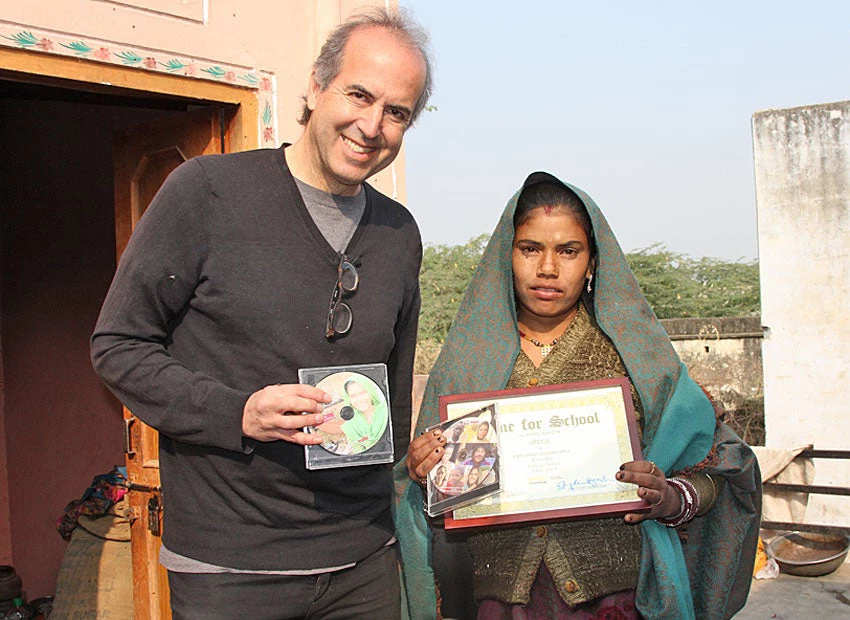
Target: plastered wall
x,y
803,197
723,354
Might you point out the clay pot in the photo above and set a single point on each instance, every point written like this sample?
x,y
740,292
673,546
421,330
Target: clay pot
x,y
10,583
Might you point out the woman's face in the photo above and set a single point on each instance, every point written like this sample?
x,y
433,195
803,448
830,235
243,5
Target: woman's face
x,y
456,476
441,476
478,455
472,479
483,429
551,261
359,397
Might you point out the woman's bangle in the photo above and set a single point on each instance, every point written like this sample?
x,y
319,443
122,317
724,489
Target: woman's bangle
x,y
707,487
690,503
683,507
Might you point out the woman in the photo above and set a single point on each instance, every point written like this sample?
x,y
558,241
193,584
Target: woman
x,y
455,483
480,457
473,477
440,479
483,431
369,421
553,301
440,476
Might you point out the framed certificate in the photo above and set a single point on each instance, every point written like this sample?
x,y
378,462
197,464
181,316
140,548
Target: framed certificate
x,y
559,448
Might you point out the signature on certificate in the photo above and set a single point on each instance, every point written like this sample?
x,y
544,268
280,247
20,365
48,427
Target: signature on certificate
x,y
589,483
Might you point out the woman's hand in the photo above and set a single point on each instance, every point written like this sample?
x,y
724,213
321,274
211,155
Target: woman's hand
x,y
653,487
424,452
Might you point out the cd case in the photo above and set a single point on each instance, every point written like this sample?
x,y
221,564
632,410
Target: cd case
x,y
469,469
357,429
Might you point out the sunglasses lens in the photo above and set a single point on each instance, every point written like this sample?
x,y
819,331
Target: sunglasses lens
x,y
341,318
348,278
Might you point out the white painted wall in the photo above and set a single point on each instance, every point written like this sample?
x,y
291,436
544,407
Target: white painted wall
x,y
802,165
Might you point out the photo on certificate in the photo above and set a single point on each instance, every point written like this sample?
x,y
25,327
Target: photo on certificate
x,y
469,469
559,448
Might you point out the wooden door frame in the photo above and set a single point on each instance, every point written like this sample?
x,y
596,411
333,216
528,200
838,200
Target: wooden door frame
x,y
241,133
143,155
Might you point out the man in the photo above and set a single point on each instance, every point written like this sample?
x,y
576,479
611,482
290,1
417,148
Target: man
x,y
222,295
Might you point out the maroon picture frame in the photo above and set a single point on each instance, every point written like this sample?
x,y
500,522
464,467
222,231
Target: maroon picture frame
x,y
607,509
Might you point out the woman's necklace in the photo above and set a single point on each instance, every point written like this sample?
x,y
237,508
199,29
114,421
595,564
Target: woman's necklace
x,y
545,349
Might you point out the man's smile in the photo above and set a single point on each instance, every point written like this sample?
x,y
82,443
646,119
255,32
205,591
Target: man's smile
x,y
358,148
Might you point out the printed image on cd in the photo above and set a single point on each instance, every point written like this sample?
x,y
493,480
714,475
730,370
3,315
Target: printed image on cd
x,y
356,418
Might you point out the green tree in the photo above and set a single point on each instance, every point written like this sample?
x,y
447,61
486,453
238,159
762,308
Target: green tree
x,y
728,288
446,270
680,286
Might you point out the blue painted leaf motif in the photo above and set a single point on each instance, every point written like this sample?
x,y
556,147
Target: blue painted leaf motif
x,y
23,38
216,71
80,48
267,114
173,65
129,58
250,78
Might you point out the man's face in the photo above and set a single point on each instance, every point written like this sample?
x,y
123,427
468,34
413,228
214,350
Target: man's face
x,y
358,121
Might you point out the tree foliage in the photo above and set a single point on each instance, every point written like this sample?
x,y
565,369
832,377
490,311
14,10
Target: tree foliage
x,y
676,285
446,271
681,286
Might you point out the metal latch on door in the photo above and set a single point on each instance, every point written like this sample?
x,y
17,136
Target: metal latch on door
x,y
154,507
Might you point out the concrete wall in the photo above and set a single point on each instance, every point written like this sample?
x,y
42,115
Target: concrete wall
x,y
803,198
723,354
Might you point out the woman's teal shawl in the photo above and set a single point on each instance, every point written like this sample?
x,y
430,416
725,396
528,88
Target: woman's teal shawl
x,y
707,577
358,428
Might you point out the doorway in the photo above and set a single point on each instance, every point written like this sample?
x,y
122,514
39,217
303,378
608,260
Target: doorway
x,y
59,427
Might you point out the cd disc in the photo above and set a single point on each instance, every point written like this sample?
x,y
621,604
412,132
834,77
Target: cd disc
x,y
356,418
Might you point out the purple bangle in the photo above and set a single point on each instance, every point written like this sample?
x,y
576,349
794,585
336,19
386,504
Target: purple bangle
x,y
693,504
695,494
690,503
683,506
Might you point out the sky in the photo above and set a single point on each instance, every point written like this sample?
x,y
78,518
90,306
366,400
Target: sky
x,y
647,106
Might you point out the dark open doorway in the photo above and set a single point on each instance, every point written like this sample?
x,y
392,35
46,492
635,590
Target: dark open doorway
x,y
58,425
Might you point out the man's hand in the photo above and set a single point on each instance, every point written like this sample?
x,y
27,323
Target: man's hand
x,y
275,413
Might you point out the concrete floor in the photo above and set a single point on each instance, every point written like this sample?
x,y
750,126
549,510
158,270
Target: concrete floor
x,y
800,598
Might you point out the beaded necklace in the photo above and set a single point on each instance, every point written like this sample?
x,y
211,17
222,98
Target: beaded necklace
x,y
545,349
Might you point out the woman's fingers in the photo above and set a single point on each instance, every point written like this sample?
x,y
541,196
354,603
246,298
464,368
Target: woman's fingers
x,y
643,473
652,487
424,452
